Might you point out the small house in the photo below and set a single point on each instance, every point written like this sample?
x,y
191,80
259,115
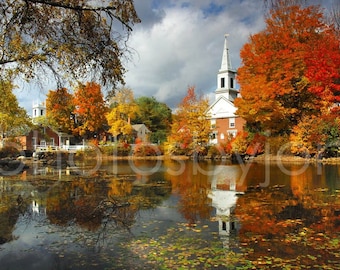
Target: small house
x,y
141,132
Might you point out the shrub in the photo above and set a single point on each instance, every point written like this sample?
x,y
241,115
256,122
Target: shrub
x,y
143,150
117,149
9,151
240,143
256,145
279,145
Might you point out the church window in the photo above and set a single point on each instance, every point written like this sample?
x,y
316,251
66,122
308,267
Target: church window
x,y
231,83
231,122
222,83
224,226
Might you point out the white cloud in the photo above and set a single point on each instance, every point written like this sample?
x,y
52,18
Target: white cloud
x,y
184,48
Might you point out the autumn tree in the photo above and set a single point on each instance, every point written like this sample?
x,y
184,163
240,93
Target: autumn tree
x,y
156,116
59,110
65,38
90,110
316,134
281,69
14,120
123,108
191,128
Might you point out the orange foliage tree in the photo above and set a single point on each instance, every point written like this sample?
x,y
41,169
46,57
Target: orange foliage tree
x,y
90,110
59,108
191,127
289,70
316,134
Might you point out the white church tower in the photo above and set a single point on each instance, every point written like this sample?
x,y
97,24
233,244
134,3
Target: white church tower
x,y
226,76
38,110
222,112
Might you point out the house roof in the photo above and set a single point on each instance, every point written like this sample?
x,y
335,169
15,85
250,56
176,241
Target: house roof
x,y
138,127
222,108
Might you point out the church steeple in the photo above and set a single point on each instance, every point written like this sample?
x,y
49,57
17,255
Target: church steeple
x,y
226,75
226,62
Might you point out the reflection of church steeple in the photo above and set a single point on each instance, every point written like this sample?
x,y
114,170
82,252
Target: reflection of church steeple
x,y
224,197
226,76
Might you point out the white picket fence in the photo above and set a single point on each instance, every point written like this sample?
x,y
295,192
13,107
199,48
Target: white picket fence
x,y
69,148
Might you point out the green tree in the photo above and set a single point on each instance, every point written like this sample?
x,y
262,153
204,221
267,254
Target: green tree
x,y
59,110
68,38
191,128
156,116
14,120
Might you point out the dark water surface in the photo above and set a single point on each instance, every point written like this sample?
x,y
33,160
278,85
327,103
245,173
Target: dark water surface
x,y
171,215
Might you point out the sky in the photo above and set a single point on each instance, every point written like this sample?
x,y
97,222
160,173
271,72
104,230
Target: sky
x,y
178,44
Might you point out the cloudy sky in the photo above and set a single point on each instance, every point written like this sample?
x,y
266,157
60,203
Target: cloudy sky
x,y
179,44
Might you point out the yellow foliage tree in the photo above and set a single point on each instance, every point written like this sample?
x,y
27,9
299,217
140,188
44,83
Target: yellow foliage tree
x,y
13,119
191,128
123,109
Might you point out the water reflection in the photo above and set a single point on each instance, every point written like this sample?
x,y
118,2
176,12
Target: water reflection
x,y
98,220
226,185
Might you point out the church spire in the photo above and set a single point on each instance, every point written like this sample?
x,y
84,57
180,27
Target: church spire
x,y
226,76
226,62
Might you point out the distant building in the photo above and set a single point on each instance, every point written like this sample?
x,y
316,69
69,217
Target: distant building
x,y
224,121
141,132
40,137
38,110
43,137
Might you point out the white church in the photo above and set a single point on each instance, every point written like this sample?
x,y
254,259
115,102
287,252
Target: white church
x,y
222,112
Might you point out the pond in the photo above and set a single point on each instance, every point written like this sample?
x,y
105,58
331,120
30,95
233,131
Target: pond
x,y
171,215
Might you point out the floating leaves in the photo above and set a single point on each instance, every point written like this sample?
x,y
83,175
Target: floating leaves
x,y
183,247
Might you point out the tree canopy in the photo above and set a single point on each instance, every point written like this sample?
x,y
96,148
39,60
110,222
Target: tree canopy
x,y
190,129
156,116
59,109
90,110
124,108
290,70
13,119
70,38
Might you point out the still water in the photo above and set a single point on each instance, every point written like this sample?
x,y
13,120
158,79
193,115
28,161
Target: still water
x,y
171,215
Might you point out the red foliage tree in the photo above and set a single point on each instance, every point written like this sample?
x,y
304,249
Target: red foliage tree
x,y
289,70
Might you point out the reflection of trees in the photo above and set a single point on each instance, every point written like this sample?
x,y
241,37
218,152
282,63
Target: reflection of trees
x,y
92,203
151,194
279,224
77,201
12,205
194,202
8,219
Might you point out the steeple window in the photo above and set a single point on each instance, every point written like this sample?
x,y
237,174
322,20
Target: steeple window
x,y
222,82
231,82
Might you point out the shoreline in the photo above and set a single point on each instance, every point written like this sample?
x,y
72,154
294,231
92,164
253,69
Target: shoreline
x,y
259,158
295,159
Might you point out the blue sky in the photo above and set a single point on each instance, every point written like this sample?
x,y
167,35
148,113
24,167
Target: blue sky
x,y
179,44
